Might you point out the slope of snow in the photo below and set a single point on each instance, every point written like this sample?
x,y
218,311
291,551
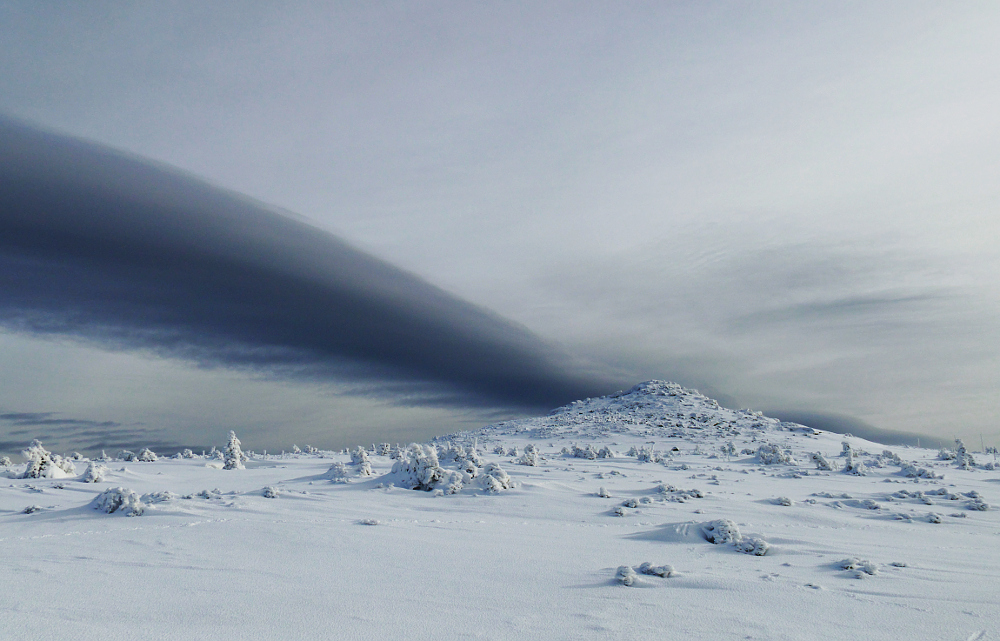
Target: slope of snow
x,y
652,513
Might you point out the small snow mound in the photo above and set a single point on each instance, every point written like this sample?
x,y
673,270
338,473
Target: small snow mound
x,y
369,522
31,509
862,566
121,500
783,500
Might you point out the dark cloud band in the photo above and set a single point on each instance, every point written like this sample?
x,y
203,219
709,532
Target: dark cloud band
x,y
102,245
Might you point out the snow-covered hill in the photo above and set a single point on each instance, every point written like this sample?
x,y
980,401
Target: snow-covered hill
x,y
646,514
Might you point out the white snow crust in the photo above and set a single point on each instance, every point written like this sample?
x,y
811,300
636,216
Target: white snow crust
x,y
510,532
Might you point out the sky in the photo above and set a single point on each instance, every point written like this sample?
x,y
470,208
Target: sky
x,y
789,206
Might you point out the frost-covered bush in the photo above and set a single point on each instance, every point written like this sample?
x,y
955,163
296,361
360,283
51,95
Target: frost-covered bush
x,y
891,457
358,455
121,500
821,462
495,479
771,454
587,452
384,449
269,492
146,456
656,570
419,468
910,470
963,458
752,545
854,466
43,464
632,503
125,455
365,468
530,456
233,455
861,566
186,453
606,452
603,493
338,473
500,450
5,461
783,500
720,531
846,449
626,575
95,473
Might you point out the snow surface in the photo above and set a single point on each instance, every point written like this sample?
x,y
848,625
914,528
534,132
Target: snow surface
x,y
578,540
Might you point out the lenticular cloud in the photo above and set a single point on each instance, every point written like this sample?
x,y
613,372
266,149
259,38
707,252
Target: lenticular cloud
x,y
98,244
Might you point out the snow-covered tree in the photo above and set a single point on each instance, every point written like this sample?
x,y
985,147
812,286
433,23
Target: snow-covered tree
x,y
233,455
44,464
146,456
95,473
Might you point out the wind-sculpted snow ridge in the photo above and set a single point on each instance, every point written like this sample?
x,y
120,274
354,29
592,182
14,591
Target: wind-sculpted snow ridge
x,y
723,523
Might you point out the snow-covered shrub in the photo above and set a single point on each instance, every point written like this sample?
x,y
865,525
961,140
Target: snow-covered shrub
x,y
419,468
513,451
146,456
626,575
946,454
157,497
632,503
846,449
603,493
43,464
587,452
720,531
119,499
656,570
771,454
978,504
495,479
963,458
752,545
384,449
338,473
821,462
530,456
783,500
358,455
269,492
31,509
186,453
125,455
5,461
861,565
606,452
95,473
854,466
500,450
891,457
233,455
729,449
910,470
295,449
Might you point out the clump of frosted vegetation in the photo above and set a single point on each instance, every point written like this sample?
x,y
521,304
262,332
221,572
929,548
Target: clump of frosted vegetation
x,y
270,492
720,531
821,462
146,456
752,545
125,455
121,500
603,493
606,452
358,455
95,473
338,473
530,456
494,479
587,452
5,461
910,470
783,500
656,570
233,456
963,458
723,531
860,567
420,469
771,454
384,449
626,575
854,466
187,453
43,464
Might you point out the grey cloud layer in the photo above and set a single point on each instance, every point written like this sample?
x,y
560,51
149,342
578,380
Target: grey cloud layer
x,y
102,245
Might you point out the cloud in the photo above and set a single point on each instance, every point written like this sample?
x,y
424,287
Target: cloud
x,y
18,429
117,250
